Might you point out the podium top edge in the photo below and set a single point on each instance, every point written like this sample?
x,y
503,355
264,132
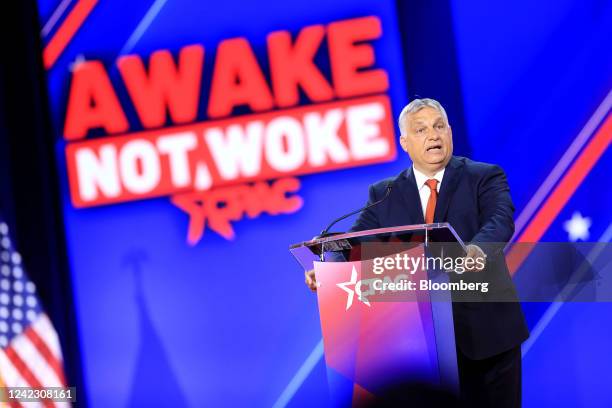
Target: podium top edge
x,y
356,234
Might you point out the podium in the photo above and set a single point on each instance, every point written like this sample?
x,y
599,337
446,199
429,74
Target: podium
x,y
377,340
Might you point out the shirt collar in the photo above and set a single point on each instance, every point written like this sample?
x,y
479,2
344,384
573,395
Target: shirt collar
x,y
422,178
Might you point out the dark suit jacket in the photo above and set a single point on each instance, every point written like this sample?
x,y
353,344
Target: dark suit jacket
x,y
475,199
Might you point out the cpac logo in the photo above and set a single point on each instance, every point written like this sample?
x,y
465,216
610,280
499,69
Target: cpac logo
x,y
357,289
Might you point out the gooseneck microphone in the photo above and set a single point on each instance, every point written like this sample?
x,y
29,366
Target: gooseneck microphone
x,y
326,232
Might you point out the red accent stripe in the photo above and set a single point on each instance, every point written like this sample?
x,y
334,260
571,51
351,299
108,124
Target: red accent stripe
x,y
561,195
25,372
67,30
45,351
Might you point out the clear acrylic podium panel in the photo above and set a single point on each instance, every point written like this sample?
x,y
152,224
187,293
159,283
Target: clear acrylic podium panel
x,y
308,252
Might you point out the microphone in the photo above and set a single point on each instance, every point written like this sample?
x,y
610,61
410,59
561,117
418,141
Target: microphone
x,y
325,232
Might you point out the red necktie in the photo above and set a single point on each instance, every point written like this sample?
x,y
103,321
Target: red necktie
x,y
431,203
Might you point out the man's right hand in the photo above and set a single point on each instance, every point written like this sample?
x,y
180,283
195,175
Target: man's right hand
x,y
311,281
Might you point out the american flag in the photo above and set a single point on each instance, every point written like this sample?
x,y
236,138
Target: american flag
x,y
30,354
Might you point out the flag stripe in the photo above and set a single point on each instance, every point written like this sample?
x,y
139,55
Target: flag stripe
x,y
43,327
42,370
46,353
36,362
14,404
10,375
25,371
12,378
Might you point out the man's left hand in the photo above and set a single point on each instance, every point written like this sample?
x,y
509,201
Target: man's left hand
x,y
475,258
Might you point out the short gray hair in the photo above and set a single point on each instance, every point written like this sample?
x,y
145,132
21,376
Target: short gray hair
x,y
418,104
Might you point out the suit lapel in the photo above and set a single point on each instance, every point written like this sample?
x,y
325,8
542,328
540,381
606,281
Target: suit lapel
x,y
450,181
410,194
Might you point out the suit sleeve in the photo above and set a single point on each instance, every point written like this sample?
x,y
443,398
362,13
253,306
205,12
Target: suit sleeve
x,y
367,219
495,208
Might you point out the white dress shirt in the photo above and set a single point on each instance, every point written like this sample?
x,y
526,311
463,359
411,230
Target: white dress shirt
x,y
424,191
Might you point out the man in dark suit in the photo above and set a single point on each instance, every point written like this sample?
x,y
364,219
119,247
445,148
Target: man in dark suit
x,y
475,199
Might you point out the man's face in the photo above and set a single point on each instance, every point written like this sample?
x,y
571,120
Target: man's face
x,y
427,139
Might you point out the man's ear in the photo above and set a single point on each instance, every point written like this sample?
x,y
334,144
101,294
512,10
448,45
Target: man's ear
x,y
404,143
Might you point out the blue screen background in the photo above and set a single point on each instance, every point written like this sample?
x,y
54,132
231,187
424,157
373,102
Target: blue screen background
x,y
230,323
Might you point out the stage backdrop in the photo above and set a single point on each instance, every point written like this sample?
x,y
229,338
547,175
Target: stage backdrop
x,y
197,140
